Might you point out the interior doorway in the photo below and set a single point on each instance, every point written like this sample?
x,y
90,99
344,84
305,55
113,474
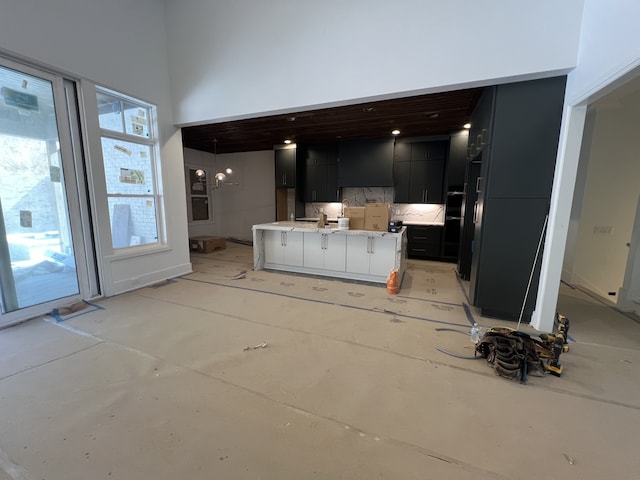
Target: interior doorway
x,y
601,255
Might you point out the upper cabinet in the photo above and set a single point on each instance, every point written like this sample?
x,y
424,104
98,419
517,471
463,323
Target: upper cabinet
x,y
481,123
285,160
365,163
418,171
320,164
524,145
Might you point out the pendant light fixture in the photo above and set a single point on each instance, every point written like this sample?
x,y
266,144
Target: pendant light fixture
x,y
221,177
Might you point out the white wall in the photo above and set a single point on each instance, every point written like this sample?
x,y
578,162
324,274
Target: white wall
x,y
121,45
241,58
253,201
610,198
609,50
235,208
609,47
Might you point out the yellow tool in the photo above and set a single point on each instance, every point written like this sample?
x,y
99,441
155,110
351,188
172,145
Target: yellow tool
x,y
515,354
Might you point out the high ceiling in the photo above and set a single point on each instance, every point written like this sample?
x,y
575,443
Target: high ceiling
x,y
417,116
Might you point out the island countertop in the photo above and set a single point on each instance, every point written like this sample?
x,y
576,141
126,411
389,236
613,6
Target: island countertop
x,y
288,226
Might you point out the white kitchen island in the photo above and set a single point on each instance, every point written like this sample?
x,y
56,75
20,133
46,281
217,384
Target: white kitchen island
x,y
302,247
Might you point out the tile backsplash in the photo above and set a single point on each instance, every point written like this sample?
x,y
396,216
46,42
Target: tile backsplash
x,y
359,197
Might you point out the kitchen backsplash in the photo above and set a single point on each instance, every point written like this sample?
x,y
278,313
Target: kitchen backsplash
x,y
359,197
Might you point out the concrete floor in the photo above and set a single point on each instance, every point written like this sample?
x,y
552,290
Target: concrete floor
x,y
158,384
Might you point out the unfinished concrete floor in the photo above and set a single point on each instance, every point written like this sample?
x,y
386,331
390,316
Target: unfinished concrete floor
x,y
158,384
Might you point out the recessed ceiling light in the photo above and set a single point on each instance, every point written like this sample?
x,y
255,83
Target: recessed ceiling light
x,y
395,132
467,126
432,114
291,119
369,109
287,141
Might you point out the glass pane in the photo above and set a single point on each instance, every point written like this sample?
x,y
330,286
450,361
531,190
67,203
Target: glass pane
x,y
199,208
127,167
136,120
198,182
37,262
110,113
133,221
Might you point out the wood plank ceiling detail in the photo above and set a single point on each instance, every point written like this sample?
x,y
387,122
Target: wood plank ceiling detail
x,y
417,116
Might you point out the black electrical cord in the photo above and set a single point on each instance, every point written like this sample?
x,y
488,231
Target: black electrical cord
x,y
464,357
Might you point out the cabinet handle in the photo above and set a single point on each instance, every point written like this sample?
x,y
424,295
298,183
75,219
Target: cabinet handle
x,y
484,135
464,189
337,194
475,212
371,242
478,183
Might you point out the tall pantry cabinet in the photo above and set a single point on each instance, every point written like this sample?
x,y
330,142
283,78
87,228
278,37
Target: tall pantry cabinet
x,y
514,138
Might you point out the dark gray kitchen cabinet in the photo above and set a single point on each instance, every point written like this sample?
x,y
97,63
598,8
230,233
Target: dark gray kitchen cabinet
x,y
468,216
510,234
481,123
285,167
365,163
401,181
320,164
428,151
426,182
424,241
517,162
418,171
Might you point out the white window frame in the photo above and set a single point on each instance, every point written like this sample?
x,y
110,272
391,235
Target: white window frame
x,y
152,141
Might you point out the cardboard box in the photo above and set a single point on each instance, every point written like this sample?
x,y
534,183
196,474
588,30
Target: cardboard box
x,y
206,244
355,216
376,216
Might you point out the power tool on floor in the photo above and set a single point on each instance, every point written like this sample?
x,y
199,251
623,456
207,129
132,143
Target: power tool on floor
x,y
515,354
557,343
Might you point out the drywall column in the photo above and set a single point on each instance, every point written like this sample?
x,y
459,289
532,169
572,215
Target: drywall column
x,y
573,119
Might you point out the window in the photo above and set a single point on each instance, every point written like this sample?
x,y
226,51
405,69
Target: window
x,y
198,195
129,153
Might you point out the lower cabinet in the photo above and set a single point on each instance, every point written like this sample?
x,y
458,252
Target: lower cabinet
x,y
284,248
351,254
424,241
325,251
371,255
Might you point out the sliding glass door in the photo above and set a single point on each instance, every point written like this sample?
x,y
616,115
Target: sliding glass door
x,y
41,230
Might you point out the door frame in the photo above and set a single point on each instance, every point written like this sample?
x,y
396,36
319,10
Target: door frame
x,y
69,126
572,133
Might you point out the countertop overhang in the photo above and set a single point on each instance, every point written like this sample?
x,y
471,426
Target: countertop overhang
x,y
404,222
313,227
